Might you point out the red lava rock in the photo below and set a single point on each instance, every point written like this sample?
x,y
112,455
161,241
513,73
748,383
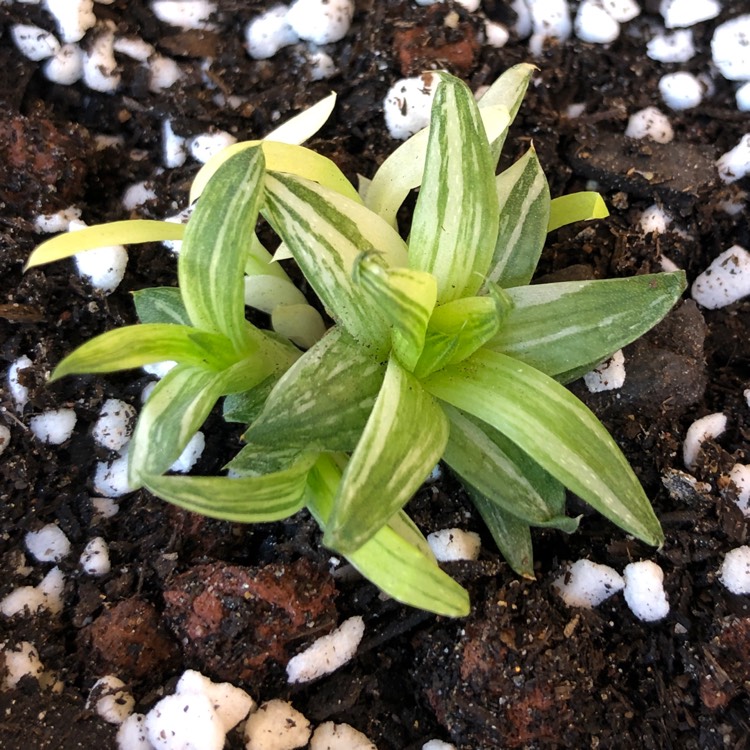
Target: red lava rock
x,y
42,168
129,640
234,621
440,44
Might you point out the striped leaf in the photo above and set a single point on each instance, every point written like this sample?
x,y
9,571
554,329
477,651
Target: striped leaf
x,y
456,216
324,400
160,305
407,299
130,232
562,327
523,196
397,564
402,441
457,329
176,408
567,209
135,346
214,249
256,460
326,233
558,431
246,406
492,465
511,535
270,497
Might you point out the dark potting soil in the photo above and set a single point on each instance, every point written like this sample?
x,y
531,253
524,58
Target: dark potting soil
x,y
523,670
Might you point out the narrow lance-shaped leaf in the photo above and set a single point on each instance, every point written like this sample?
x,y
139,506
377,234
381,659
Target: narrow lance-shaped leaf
x,y
306,124
560,327
482,463
523,196
456,217
407,299
135,346
324,400
212,259
403,439
558,431
567,209
160,305
396,564
270,497
130,232
326,233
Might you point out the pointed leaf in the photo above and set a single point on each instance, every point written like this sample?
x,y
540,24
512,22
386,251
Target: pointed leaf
x,y
511,535
160,305
138,345
326,233
407,299
394,563
560,327
403,439
306,124
523,196
567,209
555,429
129,232
324,400
456,216
483,464
270,497
214,249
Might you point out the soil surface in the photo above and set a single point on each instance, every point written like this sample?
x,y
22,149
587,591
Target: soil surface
x,y
523,670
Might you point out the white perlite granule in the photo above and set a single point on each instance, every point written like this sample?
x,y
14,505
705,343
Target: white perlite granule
x,y
111,477
95,557
651,123
190,455
654,220
53,427
676,47
34,43
682,13
587,584
73,17
185,722
454,544
276,725
438,745
19,393
111,701
725,281
185,14
608,376
730,48
231,704
328,653
735,570
48,544
330,736
114,426
66,67
705,428
740,476
205,145
593,24
267,33
735,163
20,661
4,438
681,90
321,21
30,599
132,734
644,591
408,104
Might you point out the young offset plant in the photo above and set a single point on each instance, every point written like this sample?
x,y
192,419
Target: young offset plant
x,y
440,349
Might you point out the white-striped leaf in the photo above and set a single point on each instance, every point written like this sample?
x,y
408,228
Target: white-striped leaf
x,y
403,439
457,329
324,400
562,327
398,565
558,431
270,497
214,249
256,460
161,304
456,216
511,535
176,408
130,232
407,299
244,407
493,469
138,345
523,196
326,233
567,209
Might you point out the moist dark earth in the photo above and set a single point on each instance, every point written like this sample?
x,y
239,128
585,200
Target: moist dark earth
x,y
523,670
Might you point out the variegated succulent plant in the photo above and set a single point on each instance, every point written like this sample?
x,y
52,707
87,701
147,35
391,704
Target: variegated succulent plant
x,y
439,350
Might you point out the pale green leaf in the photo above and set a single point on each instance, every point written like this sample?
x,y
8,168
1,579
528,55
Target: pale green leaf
x,y
456,216
245,406
567,209
160,305
304,125
523,196
406,298
323,401
403,439
326,233
562,327
260,262
270,497
265,293
255,460
138,345
214,249
303,325
130,232
558,431
492,468
396,564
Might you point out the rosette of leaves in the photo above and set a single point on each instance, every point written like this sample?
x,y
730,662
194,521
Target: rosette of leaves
x,y
440,350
